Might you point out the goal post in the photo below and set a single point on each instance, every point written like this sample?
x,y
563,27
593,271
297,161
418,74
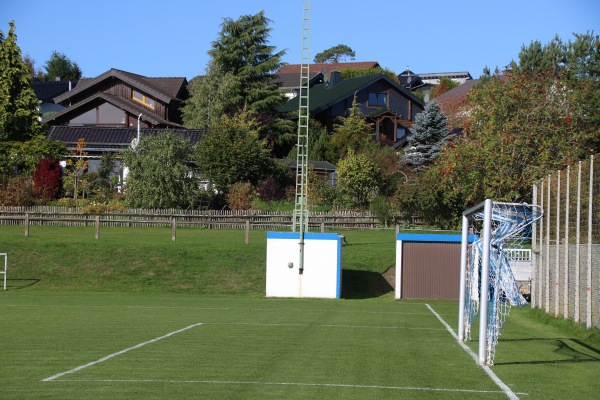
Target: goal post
x,y
488,287
487,212
3,271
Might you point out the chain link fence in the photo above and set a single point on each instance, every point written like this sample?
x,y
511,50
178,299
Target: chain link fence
x,y
566,244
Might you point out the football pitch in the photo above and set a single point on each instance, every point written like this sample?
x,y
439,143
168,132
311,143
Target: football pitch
x,y
171,346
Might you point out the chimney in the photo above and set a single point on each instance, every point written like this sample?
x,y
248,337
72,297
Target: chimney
x,y
334,78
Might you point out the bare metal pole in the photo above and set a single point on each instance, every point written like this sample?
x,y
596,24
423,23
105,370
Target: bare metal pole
x,y
557,261
464,244
589,249
485,272
534,251
566,258
577,248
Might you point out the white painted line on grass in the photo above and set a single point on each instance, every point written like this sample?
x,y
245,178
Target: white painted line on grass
x,y
324,326
307,384
511,395
118,353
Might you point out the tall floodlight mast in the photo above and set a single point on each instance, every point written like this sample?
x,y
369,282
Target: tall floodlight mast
x,y
300,218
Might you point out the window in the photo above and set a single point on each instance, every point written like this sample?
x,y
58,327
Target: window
x,y
400,132
137,96
377,99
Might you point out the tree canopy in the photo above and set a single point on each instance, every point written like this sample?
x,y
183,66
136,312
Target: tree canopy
x,y
240,76
233,152
161,172
59,66
335,54
351,132
19,115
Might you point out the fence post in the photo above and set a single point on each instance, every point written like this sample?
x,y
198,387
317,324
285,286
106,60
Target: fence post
x,y
247,231
322,227
173,229
97,227
26,224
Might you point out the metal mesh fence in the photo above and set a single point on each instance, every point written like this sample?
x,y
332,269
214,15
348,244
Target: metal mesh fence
x,y
566,245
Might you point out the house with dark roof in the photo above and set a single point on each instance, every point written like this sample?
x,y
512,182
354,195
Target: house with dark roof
x,y
288,76
46,91
106,139
113,109
387,104
423,83
121,99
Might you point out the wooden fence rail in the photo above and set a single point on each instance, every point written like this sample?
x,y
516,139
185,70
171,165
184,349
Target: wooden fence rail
x,y
65,216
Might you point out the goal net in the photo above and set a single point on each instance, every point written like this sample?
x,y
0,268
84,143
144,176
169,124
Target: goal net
x,y
488,286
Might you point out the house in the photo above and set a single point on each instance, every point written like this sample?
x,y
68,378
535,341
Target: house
x,y
387,104
113,109
423,83
118,98
288,76
322,169
453,102
46,91
107,139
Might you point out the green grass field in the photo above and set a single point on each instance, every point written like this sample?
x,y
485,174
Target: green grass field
x,y
137,316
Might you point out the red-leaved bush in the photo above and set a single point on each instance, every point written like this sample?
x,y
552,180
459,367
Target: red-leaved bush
x,y
47,179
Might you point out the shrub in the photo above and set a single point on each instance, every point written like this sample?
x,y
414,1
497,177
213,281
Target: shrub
x,y
270,189
47,179
240,196
18,191
381,207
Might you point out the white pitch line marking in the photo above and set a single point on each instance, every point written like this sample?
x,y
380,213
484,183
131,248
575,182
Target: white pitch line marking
x,y
118,353
324,326
341,385
511,395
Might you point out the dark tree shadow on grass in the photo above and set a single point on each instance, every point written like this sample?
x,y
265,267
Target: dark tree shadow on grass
x,y
20,283
563,348
358,284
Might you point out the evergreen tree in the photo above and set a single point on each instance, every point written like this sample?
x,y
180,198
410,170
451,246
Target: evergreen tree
x,y
243,60
19,114
335,54
210,97
428,135
60,66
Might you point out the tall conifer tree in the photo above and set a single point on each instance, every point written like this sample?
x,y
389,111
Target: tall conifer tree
x,y
242,58
19,115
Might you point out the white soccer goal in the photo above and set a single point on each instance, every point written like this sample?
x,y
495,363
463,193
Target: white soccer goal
x,y
3,271
487,286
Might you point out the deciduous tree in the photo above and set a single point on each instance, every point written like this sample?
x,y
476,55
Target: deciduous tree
x,y
358,178
351,132
161,172
233,152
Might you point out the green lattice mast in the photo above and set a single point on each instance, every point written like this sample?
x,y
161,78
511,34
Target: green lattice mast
x,y
300,222
300,218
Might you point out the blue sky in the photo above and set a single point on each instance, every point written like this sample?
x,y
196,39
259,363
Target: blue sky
x,y
171,38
